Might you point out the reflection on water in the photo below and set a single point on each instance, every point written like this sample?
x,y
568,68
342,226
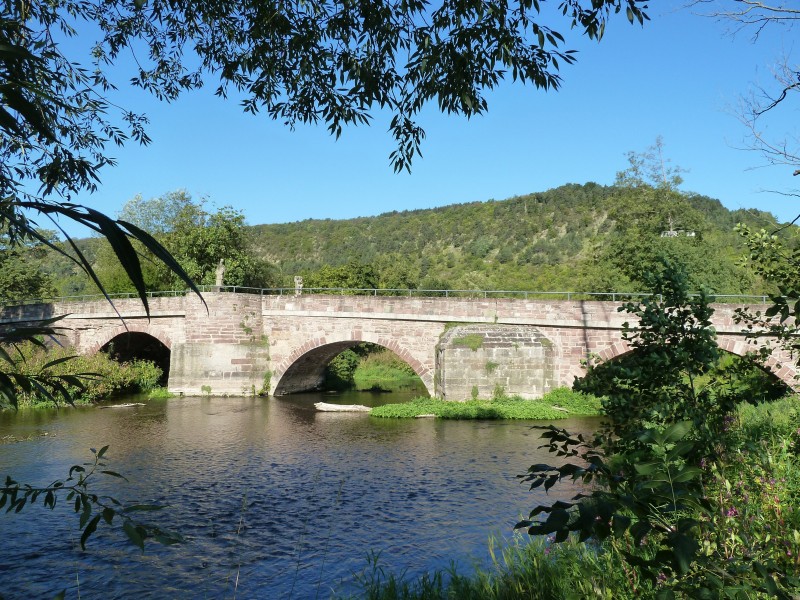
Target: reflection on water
x,y
274,498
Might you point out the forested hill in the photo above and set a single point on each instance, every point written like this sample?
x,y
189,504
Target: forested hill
x,y
575,237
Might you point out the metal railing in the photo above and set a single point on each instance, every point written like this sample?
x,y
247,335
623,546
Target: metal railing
x,y
393,292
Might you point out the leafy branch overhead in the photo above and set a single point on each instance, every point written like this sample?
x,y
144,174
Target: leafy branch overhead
x,y
311,62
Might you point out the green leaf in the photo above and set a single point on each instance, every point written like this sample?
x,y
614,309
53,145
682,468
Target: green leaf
x,y
647,468
133,534
90,529
678,431
620,524
687,474
86,513
556,520
684,549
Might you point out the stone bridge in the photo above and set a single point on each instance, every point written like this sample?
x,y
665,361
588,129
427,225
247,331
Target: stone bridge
x,y
239,344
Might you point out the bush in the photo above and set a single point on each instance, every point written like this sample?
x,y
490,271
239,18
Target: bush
x,y
701,504
102,376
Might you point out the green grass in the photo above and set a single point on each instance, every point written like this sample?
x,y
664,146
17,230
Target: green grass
x,y
573,403
752,495
159,393
473,341
518,570
385,371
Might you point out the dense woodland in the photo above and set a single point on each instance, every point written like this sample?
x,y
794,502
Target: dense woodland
x,y
575,237
572,238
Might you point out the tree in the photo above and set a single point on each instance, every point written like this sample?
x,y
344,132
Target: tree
x,y
652,497
352,276
655,221
309,62
196,238
658,384
21,272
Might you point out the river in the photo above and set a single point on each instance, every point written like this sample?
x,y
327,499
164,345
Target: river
x,y
275,500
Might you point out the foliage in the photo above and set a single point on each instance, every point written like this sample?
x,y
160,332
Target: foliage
x,y
80,378
339,372
22,275
572,238
776,259
76,489
654,221
573,401
473,341
659,383
159,393
353,275
664,487
383,370
45,381
310,63
567,403
196,238
370,367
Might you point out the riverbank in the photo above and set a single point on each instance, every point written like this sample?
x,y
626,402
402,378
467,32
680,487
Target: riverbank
x,y
558,404
750,523
83,379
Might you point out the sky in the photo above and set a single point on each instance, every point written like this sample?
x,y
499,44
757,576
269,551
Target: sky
x,y
680,77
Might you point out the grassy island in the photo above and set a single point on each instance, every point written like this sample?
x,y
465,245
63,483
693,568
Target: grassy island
x,y
558,404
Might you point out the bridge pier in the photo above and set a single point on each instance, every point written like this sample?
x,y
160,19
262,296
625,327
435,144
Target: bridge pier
x,y
225,351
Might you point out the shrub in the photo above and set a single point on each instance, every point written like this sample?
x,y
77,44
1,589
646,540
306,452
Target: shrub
x,y
101,376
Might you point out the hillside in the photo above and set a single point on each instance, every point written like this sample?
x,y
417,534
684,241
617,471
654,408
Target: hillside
x,y
572,238
575,237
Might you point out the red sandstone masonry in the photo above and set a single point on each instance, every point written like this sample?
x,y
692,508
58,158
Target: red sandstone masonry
x,y
409,326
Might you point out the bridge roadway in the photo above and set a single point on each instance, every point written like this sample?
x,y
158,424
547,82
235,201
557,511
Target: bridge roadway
x,y
244,343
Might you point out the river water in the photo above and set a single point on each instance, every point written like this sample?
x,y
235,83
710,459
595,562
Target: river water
x,y
275,500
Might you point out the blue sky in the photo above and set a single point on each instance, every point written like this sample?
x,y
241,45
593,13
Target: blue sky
x,y
679,77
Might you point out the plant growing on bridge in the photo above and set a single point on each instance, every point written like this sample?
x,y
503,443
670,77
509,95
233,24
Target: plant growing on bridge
x,y
473,341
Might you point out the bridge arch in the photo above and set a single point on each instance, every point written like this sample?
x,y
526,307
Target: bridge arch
x,y
784,370
137,342
108,334
304,368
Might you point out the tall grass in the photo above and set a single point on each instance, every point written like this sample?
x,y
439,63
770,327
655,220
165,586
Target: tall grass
x,y
520,569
